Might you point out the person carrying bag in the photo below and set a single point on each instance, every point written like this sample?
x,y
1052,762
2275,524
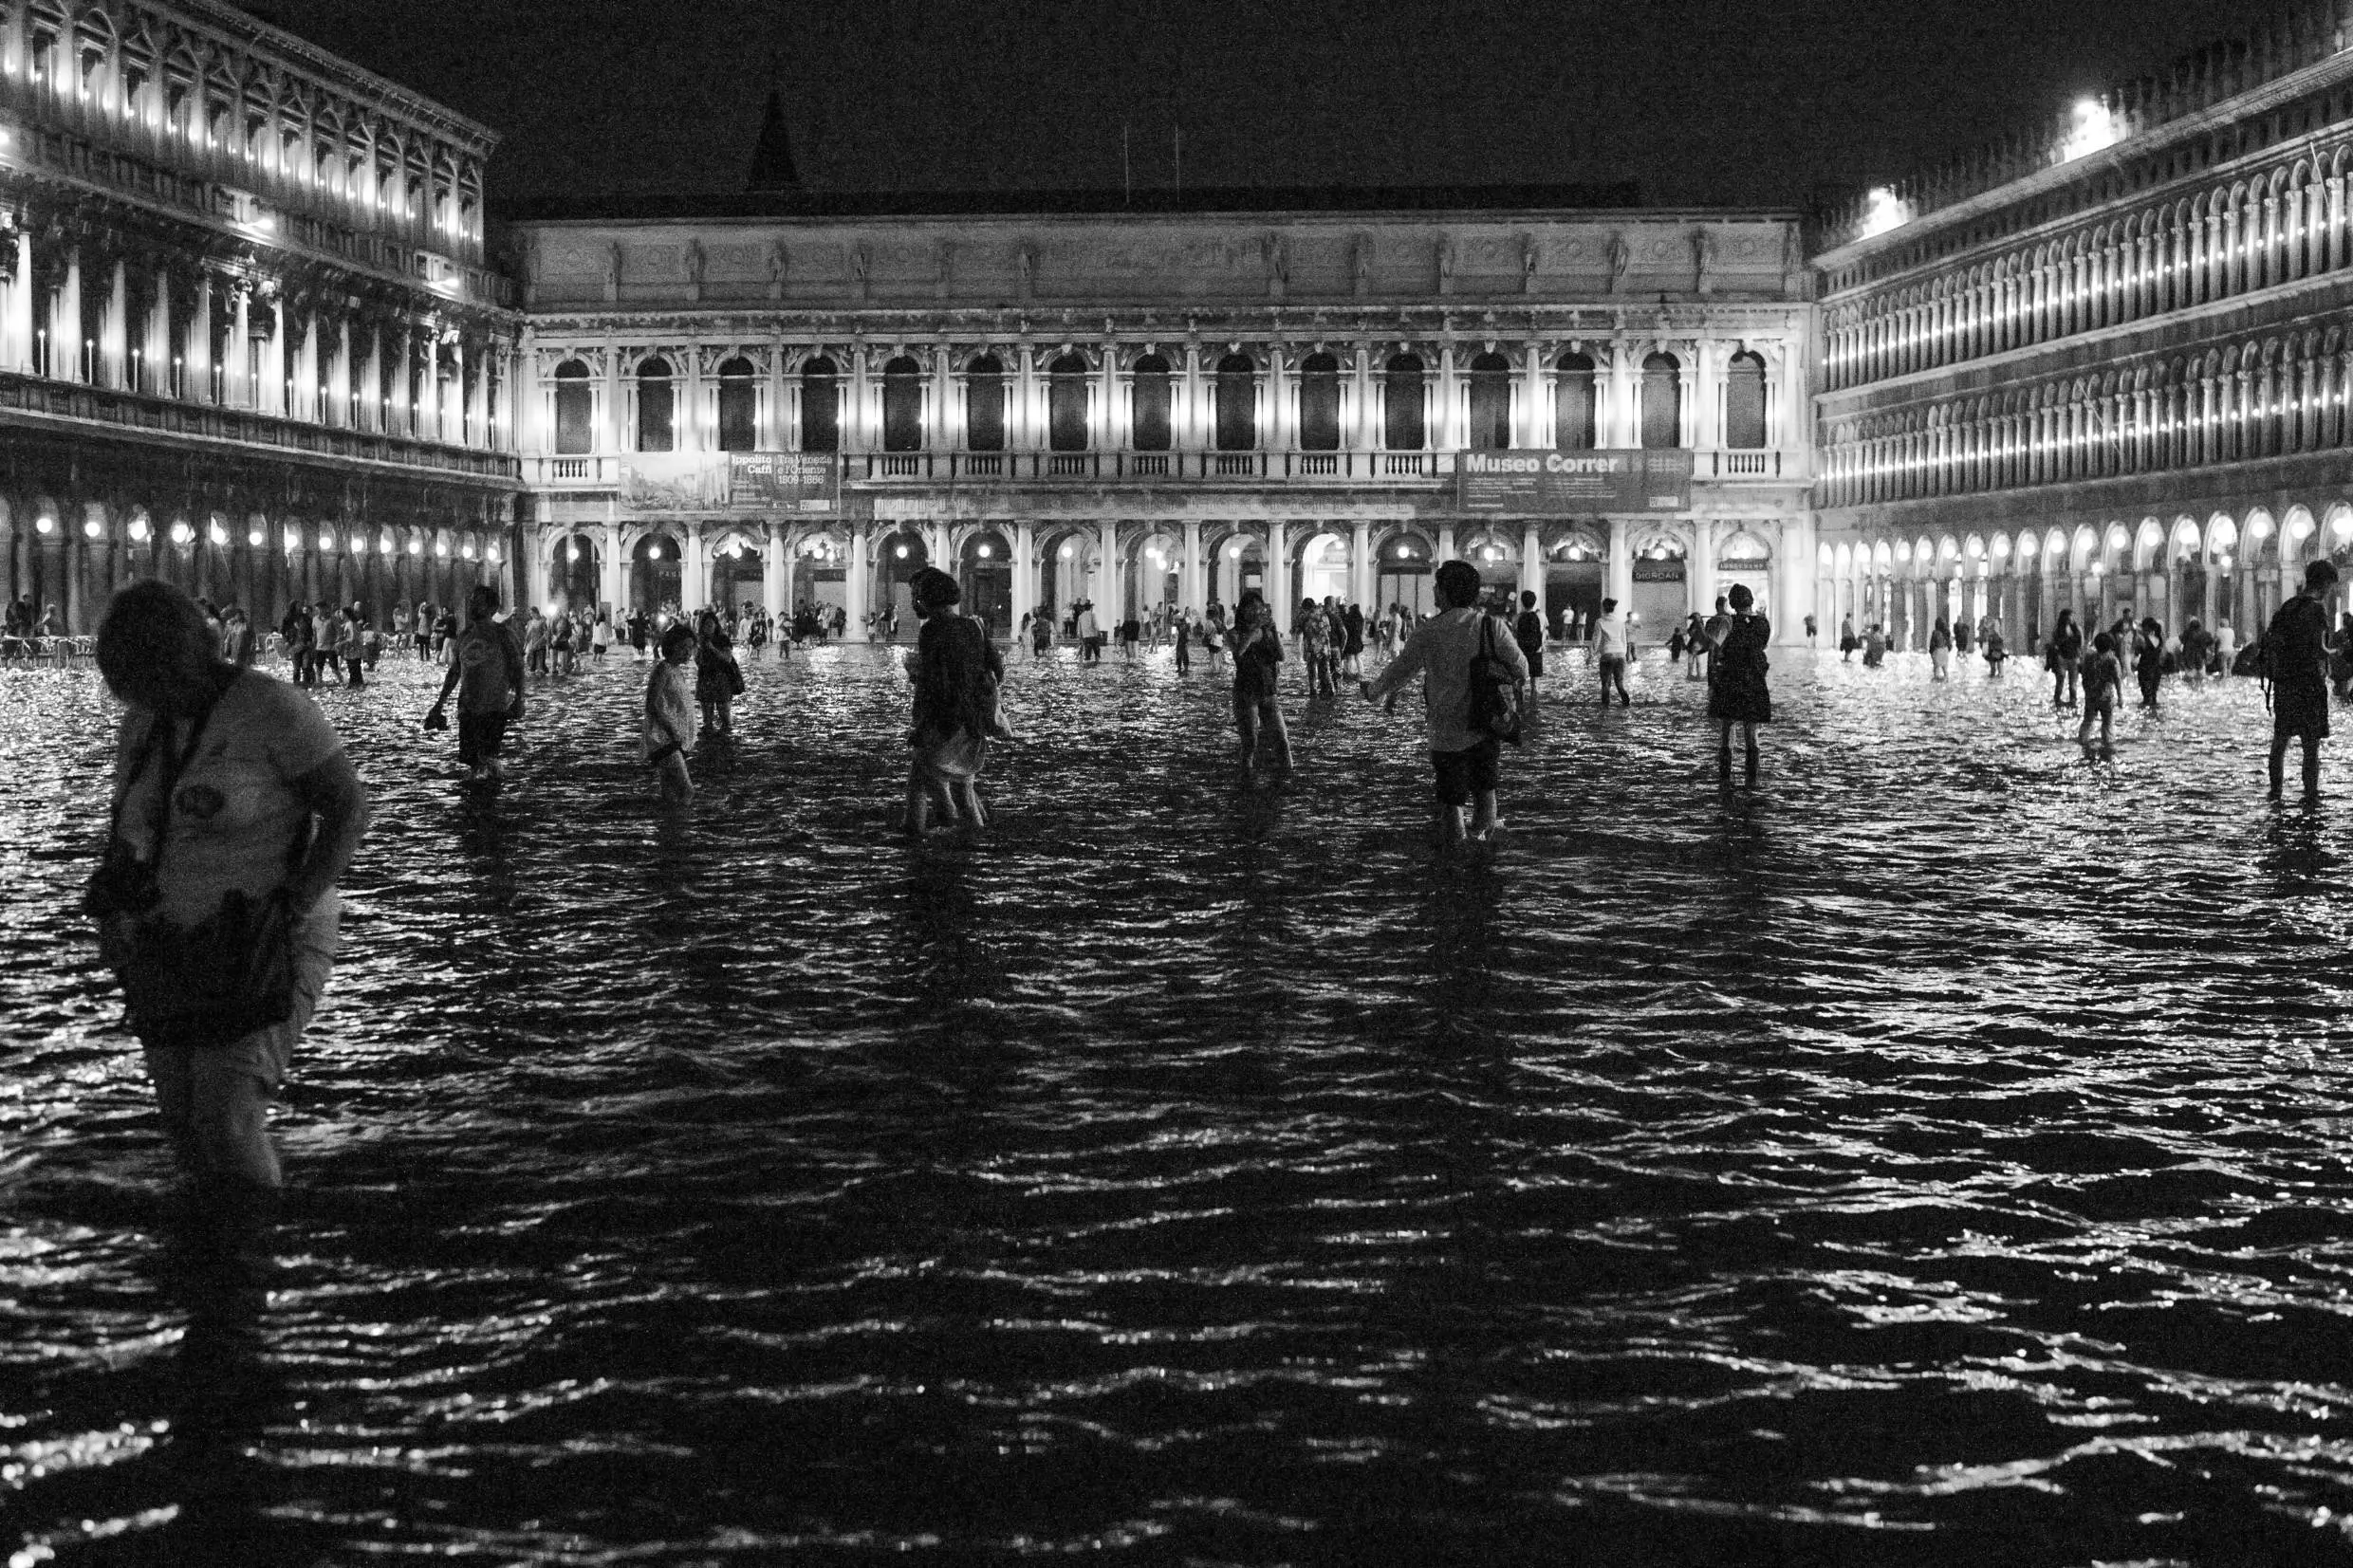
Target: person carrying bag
x,y
234,812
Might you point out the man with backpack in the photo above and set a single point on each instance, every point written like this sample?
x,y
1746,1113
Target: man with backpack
x,y
1474,677
2295,663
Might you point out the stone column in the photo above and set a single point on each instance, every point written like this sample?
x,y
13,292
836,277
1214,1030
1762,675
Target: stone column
x,y
1025,581
1362,583
855,584
775,569
1444,432
114,347
1701,579
693,569
1367,438
1110,581
1446,544
1194,578
1535,420
1531,562
1620,572
237,381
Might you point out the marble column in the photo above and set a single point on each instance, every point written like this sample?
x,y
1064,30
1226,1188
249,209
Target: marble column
x,y
774,569
1278,575
854,583
1025,563
693,569
1362,583
1619,571
1110,581
1531,562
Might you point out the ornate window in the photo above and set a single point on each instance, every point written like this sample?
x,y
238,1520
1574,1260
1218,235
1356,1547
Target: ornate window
x,y
903,405
1065,403
1744,401
1319,404
1573,404
1663,403
821,406
984,404
739,406
575,409
657,407
1237,403
1152,404
1403,426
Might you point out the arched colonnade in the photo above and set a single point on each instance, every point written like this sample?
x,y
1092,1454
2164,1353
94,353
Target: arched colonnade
x,y
2231,565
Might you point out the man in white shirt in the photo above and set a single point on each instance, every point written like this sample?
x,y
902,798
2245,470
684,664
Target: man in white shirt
x,y
1609,652
1469,762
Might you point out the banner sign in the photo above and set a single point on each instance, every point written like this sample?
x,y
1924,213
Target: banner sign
x,y
732,481
1649,570
787,481
1557,484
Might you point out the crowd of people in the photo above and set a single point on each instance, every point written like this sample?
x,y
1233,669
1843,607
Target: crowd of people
x,y
179,887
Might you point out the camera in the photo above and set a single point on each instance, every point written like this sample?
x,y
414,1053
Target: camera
x,y
122,884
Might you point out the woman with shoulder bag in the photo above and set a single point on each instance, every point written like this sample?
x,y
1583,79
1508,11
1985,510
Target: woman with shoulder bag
x,y
235,811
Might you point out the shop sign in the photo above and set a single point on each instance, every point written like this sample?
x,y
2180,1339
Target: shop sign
x,y
1559,483
1652,569
732,481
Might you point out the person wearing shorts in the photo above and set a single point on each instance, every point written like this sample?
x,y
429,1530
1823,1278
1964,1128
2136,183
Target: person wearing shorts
x,y
488,675
228,784
1257,696
1468,763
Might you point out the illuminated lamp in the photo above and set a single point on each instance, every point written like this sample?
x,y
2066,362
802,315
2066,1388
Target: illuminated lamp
x,y
253,537
327,540
182,533
383,545
138,529
986,550
293,538
1066,552
902,552
92,527
467,551
441,547
416,546
215,532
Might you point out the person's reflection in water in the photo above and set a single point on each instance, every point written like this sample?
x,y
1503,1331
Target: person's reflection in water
x,y
2295,857
483,829
222,1392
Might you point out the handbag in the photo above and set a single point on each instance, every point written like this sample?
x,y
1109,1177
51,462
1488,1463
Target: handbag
x,y
1494,693
226,977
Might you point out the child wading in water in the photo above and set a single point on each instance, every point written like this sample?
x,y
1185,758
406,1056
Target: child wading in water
x,y
670,715
957,672
1257,707
2103,677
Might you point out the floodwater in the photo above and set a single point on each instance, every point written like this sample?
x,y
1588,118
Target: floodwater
x,y
1939,1155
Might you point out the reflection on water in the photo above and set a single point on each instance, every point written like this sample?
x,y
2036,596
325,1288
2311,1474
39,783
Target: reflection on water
x,y
1937,1155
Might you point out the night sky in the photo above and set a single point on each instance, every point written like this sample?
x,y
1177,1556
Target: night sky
x,y
1698,101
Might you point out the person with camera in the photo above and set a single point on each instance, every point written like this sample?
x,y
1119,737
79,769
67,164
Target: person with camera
x,y
1473,680
235,813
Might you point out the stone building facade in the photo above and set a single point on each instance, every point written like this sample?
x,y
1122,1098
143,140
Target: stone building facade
x,y
2105,365
247,338
1166,406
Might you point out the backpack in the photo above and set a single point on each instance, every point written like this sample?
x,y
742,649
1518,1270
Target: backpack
x,y
1494,690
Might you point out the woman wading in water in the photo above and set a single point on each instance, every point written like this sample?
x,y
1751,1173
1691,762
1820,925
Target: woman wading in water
x,y
236,812
957,673
1739,696
1257,698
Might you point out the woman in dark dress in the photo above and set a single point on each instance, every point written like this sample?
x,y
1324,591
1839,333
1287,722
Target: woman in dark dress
x,y
1738,696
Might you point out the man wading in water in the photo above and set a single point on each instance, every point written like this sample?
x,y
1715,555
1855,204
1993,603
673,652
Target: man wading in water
x,y
1466,749
2295,661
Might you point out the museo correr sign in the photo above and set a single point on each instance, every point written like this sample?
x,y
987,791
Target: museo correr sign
x,y
1544,484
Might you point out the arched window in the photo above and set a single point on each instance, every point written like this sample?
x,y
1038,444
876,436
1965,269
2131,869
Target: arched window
x,y
1663,403
1152,404
575,409
1319,404
984,404
1491,402
821,406
655,407
1573,405
739,406
1237,403
1744,401
1402,423
903,405
1065,403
